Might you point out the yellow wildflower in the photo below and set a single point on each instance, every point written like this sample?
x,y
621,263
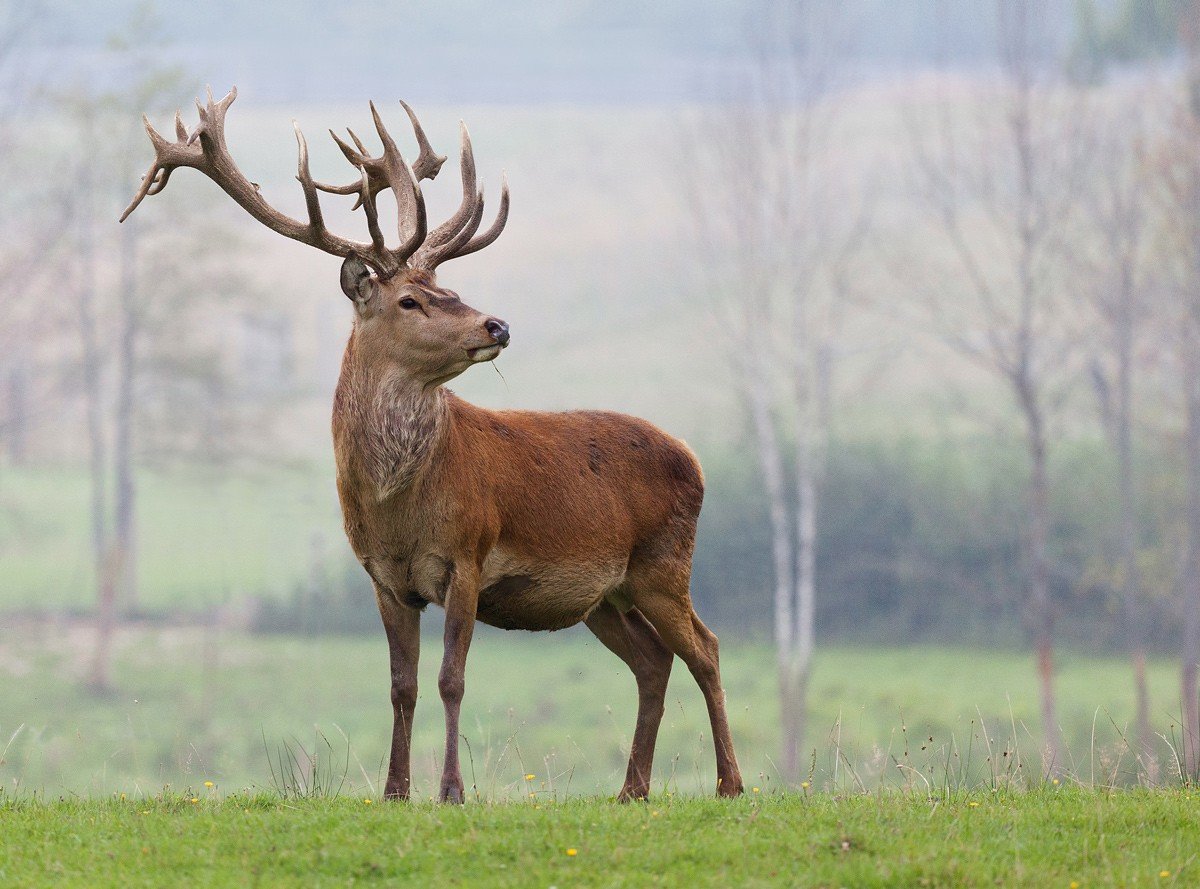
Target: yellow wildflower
x,y
973,804
755,789
804,784
530,776
1164,873
572,852
367,801
208,784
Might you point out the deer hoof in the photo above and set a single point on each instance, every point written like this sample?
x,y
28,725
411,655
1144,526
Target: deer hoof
x,y
730,788
452,792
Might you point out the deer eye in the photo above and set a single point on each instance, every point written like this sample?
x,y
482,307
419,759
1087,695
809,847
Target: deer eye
x,y
408,303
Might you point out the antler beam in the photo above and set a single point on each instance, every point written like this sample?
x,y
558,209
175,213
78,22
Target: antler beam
x,y
205,150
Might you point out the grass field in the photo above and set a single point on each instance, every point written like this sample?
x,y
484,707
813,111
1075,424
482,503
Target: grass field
x,y
192,706
1049,838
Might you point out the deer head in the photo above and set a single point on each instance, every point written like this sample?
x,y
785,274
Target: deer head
x,y
403,316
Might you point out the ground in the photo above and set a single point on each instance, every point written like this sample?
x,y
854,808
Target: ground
x,y
1057,836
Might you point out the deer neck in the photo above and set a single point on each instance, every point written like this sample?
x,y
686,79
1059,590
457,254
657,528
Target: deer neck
x,y
388,425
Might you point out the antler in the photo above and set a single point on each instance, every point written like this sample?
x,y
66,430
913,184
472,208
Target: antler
x,y
206,151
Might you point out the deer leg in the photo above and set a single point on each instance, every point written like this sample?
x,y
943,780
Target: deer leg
x,y
669,610
403,628
461,604
631,638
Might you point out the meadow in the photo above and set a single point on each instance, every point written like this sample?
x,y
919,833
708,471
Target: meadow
x,y
546,717
1066,837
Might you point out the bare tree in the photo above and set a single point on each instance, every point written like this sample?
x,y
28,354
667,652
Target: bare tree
x,y
141,352
1175,165
1115,274
1001,172
27,238
779,231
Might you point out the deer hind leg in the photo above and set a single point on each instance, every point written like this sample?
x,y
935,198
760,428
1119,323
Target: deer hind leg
x,y
662,596
631,638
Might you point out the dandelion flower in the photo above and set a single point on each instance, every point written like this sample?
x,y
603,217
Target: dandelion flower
x,y
367,801
973,804
1074,884
804,784
572,852
195,799
755,789
1164,873
208,784
530,776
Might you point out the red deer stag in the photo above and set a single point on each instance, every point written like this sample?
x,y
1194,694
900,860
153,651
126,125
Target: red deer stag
x,y
522,520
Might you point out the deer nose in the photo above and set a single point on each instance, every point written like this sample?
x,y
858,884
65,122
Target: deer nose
x,y
498,329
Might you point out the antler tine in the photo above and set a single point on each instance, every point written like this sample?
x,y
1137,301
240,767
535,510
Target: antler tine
x,y
362,149
467,231
497,227
154,173
466,209
409,247
428,162
410,206
367,200
304,176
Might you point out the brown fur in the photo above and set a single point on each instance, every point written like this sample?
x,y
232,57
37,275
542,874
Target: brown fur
x,y
520,519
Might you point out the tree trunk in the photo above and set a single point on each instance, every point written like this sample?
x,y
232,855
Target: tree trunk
x,y
791,703
1128,532
799,667
92,368
1190,34
103,555
16,425
1191,581
124,504
793,715
1041,606
106,622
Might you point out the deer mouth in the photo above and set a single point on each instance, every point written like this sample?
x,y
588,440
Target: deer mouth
x,y
484,353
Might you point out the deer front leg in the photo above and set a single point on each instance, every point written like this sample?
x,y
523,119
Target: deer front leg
x,y
461,604
403,627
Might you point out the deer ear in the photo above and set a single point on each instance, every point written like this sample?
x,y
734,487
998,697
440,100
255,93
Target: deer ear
x,y
357,282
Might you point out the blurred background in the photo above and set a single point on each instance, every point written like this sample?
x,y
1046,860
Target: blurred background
x,y
917,280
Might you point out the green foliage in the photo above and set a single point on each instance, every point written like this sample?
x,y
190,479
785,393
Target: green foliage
x,y
921,540
1060,837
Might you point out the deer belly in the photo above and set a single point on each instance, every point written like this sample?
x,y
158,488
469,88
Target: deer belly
x,y
518,595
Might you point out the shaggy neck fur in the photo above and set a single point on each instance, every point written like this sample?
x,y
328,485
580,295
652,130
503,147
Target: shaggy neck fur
x,y
391,424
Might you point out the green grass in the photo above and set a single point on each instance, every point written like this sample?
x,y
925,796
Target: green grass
x,y
1063,837
192,706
